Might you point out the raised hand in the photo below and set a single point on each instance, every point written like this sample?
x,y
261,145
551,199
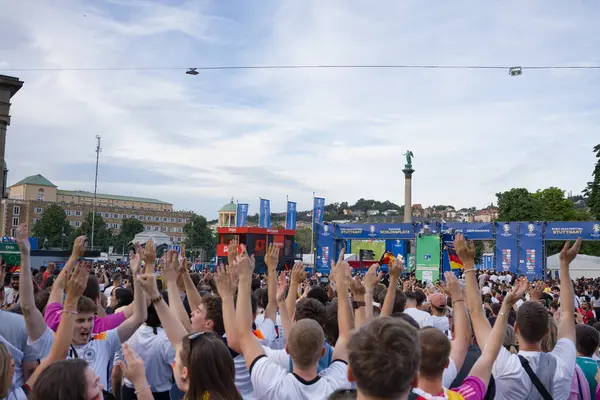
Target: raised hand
x,y
371,277
281,289
149,256
298,272
77,282
341,269
519,289
79,247
396,267
232,252
536,292
452,285
22,238
133,368
135,260
225,281
356,286
171,266
465,252
244,265
568,252
272,256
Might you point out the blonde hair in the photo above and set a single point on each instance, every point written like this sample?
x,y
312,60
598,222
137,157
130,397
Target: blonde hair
x,y
549,341
5,367
510,339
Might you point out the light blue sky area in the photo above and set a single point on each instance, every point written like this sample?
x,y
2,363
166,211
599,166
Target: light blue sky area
x,y
197,141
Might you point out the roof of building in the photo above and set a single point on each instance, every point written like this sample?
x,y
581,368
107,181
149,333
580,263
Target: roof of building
x,y
82,193
38,180
229,207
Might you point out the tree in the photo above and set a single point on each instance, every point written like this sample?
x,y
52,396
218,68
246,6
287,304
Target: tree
x,y
102,236
593,188
129,228
303,239
517,205
544,205
52,226
199,235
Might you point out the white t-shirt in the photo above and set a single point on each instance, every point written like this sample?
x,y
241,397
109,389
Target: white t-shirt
x,y
15,392
420,316
243,383
271,382
98,352
512,381
279,341
450,374
485,290
441,323
158,355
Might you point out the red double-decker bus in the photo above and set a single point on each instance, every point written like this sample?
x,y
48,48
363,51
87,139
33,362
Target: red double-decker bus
x,y
256,241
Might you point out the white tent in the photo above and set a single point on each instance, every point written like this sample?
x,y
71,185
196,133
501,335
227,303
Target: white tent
x,y
582,265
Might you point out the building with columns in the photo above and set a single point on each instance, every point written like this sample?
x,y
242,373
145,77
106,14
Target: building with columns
x,y
227,215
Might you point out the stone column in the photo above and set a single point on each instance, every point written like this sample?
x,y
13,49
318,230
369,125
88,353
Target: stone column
x,y
8,87
408,194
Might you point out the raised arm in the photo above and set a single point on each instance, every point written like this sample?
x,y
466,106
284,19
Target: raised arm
x,y
226,285
483,367
466,253
462,331
170,273
358,295
34,320
286,320
64,335
191,291
370,282
298,275
343,276
169,321
566,326
251,347
272,259
396,268
140,313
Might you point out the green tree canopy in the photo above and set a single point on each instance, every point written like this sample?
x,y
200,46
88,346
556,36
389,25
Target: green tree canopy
x,y
103,237
52,226
129,228
544,205
303,239
199,235
593,189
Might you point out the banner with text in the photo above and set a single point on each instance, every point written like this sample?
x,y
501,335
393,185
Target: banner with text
x,y
428,258
572,230
241,215
397,247
472,231
376,231
531,244
318,210
507,247
290,216
325,247
265,214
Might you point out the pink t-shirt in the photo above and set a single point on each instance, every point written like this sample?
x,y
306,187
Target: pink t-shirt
x,y
472,388
53,313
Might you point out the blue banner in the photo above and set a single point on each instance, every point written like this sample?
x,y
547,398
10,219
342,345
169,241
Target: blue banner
x,y
290,216
447,252
487,262
318,210
325,247
396,247
572,230
531,245
241,215
376,231
507,247
265,214
472,231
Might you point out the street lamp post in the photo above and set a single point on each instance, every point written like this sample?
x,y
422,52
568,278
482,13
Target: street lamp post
x,y
98,150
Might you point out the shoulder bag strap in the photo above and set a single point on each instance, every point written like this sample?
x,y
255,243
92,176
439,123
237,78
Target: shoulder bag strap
x,y
534,379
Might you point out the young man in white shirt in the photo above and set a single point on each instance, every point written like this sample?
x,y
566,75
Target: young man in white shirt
x,y
412,304
305,344
512,381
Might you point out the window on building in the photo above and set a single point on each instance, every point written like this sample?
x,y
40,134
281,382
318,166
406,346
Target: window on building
x,y
156,228
179,220
148,218
107,225
106,215
117,216
13,232
68,213
163,228
36,220
16,210
99,214
148,227
165,219
78,213
40,195
77,223
172,220
184,220
157,219
15,221
141,217
115,226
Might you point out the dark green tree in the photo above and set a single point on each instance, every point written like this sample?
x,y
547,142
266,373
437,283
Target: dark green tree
x,y
303,239
517,205
129,228
593,189
52,226
199,235
103,236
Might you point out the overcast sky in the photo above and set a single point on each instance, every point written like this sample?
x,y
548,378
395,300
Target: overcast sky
x,y
198,141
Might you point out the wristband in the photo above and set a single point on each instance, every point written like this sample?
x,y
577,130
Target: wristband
x,y
68,312
142,389
156,299
469,270
456,301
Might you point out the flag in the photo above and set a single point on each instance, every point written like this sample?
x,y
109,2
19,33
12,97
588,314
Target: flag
x,y
455,261
265,213
241,215
290,216
318,210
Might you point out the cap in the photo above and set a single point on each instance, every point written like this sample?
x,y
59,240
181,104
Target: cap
x,y
437,300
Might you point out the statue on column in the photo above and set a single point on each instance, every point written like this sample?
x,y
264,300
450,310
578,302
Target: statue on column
x,y
409,156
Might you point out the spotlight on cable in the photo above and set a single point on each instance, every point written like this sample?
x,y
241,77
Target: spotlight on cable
x,y
515,71
192,71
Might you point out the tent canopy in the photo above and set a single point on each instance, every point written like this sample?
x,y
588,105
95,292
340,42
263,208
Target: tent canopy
x,y
582,265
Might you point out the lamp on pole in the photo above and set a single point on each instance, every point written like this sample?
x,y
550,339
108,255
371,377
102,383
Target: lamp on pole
x,y
98,150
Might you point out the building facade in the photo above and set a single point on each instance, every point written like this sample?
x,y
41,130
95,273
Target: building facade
x,y
28,198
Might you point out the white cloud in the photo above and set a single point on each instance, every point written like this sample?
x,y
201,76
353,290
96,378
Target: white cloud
x,y
272,133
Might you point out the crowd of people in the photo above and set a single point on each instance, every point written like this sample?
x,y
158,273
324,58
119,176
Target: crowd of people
x,y
153,329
